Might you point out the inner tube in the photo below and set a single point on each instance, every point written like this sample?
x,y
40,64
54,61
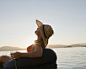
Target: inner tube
x,y
1,66
48,57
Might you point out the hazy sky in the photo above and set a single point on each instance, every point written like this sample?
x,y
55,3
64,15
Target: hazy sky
x,y
17,21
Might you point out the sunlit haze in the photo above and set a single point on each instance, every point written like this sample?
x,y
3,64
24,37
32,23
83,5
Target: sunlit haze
x,y
18,21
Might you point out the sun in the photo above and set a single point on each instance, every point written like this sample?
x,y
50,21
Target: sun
x,y
30,42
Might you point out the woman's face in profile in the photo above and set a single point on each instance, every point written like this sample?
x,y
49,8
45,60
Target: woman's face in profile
x,y
37,32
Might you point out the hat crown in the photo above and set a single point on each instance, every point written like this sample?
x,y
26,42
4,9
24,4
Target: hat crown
x,y
48,30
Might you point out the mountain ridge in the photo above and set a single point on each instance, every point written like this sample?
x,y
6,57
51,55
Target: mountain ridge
x,y
65,46
10,48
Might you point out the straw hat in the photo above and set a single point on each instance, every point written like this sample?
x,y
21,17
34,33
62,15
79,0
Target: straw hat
x,y
45,30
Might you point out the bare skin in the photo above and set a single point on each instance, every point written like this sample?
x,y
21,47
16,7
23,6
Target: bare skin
x,y
35,52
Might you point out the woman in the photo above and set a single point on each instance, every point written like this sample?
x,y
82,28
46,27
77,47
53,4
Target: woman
x,y
43,32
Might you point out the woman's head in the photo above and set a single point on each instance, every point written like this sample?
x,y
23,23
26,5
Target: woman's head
x,y
45,31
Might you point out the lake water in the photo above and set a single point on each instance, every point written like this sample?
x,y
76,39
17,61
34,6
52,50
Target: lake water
x,y
67,58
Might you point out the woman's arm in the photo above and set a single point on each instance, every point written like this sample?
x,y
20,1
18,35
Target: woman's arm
x,y
37,52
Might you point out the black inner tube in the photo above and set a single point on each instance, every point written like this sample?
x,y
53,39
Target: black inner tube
x,y
49,57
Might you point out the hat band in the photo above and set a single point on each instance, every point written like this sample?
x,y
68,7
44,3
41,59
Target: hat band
x,y
44,32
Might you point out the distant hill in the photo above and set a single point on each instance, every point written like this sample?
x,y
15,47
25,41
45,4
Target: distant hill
x,y
56,46
82,43
65,46
77,45
9,48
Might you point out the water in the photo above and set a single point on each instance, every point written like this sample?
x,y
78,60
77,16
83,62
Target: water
x,y
67,58
71,58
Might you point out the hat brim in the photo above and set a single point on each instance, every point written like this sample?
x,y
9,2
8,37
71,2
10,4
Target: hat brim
x,y
40,25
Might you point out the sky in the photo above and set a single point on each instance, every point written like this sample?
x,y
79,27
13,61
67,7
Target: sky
x,y
18,21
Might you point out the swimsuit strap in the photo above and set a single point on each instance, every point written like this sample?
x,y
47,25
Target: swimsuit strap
x,y
29,48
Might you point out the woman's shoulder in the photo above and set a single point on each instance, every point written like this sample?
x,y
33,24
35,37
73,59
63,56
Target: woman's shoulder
x,y
40,46
35,45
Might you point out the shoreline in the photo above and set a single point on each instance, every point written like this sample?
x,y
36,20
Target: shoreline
x,y
47,47
66,47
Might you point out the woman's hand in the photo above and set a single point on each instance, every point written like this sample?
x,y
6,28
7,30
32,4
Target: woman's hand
x,y
16,55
